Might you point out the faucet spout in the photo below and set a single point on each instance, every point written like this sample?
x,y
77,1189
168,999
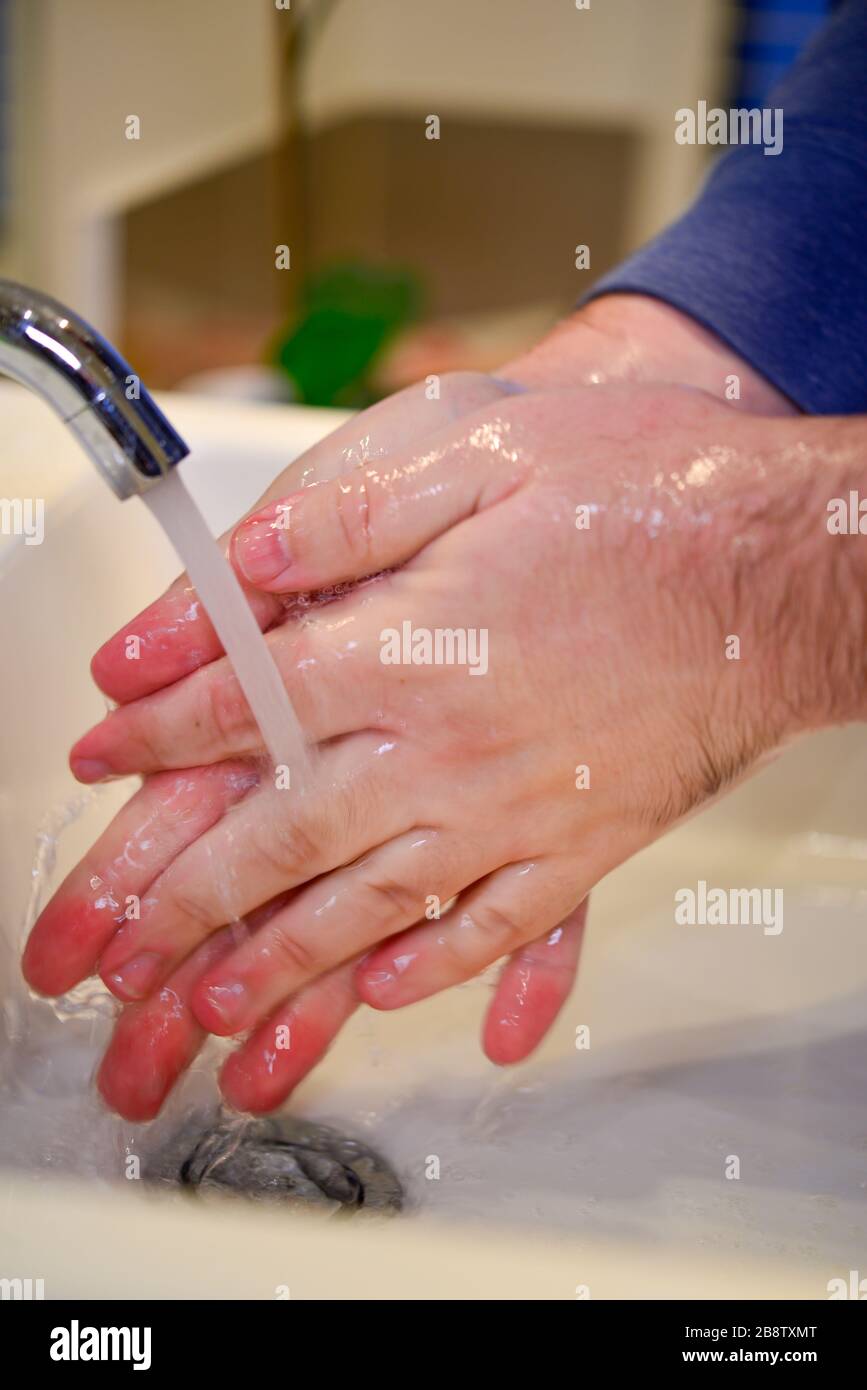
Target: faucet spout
x,y
96,393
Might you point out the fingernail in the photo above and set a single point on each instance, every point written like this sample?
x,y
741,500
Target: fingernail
x,y
379,979
137,977
89,769
261,547
389,988
226,1006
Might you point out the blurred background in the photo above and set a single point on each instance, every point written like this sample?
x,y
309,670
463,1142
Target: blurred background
x,y
325,200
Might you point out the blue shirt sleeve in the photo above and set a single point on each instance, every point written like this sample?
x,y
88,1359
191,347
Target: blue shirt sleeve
x,y
772,257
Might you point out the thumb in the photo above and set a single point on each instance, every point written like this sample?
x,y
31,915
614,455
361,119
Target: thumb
x,y
373,518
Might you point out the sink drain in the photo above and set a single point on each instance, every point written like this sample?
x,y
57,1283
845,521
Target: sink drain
x,y
280,1158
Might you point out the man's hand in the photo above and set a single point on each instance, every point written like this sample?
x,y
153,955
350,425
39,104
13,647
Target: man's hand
x,y
181,649
628,516
155,1040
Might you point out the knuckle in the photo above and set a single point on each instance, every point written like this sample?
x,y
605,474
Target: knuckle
x,y
152,751
188,903
350,509
295,954
461,956
290,848
393,900
499,927
227,714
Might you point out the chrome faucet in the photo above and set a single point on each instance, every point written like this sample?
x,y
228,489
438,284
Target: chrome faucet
x,y
100,398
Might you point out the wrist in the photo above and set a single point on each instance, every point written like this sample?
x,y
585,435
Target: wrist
x,y
621,338
802,576
836,449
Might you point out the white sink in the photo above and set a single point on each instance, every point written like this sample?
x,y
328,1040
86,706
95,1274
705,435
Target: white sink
x,y
602,1168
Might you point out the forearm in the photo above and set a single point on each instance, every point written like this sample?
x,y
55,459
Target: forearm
x,y
783,579
828,458
770,256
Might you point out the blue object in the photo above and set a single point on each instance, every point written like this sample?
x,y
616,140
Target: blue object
x,y
772,257
771,35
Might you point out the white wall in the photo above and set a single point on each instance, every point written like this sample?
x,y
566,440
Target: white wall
x,y
620,58
629,61
202,77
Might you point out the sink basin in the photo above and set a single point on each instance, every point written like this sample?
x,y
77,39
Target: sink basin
x,y
599,1169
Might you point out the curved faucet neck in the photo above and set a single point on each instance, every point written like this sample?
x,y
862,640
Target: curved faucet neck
x,y
54,352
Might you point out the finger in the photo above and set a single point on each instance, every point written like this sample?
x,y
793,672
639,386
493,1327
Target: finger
x,y
380,515
332,920
174,635
533,987
398,422
266,1068
169,813
167,640
273,841
270,1064
206,718
495,918
155,1041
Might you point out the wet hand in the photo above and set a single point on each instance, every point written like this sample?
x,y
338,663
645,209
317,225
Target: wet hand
x,y
617,339
581,656
155,1040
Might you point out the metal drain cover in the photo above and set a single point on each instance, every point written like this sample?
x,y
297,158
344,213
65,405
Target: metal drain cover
x,y
281,1158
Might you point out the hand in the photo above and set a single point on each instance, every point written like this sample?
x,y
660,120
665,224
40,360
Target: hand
x,y
513,480
157,1039
620,339
195,641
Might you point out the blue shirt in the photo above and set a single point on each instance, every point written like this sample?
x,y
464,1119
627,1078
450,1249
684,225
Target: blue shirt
x,y
772,257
